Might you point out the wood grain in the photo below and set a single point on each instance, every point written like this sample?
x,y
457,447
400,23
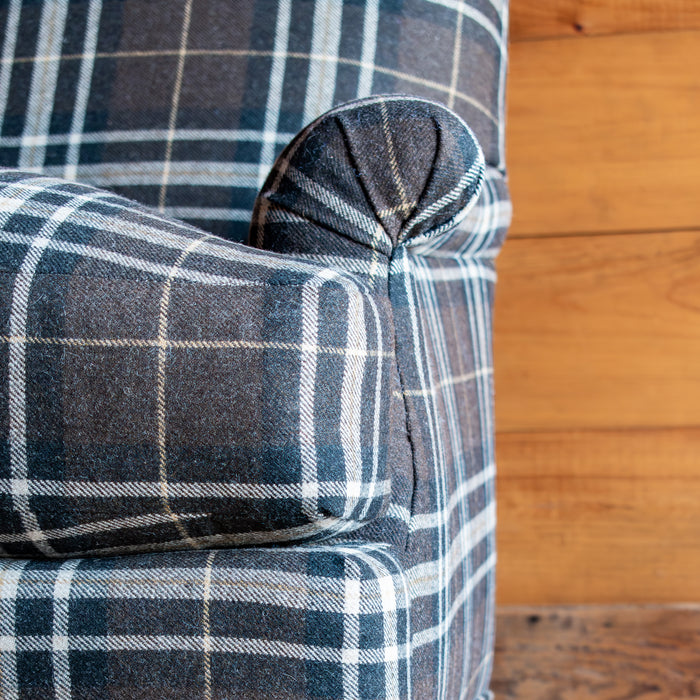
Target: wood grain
x,y
604,135
598,332
599,516
535,19
597,653
597,343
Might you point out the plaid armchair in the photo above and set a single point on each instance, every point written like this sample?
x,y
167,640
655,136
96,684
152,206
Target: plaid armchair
x,y
258,469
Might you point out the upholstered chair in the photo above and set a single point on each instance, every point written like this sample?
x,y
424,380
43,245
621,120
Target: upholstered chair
x,y
246,375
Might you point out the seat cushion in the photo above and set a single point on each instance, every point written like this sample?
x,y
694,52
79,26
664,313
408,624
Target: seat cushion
x,y
294,623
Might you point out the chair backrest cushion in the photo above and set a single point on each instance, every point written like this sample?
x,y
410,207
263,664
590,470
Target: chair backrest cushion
x,y
184,105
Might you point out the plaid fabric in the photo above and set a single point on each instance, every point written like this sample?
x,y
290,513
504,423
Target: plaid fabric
x,y
417,171
432,246
163,387
300,622
400,608
184,104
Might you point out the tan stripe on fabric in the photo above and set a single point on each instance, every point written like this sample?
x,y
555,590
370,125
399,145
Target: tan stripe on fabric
x,y
194,344
206,624
160,392
172,122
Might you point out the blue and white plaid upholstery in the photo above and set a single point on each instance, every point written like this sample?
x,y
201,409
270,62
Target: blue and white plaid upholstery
x,y
168,395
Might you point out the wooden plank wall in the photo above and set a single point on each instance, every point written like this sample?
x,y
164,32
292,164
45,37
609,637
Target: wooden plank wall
x,y
597,323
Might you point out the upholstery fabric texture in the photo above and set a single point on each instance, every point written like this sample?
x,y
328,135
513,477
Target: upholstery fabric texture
x,y
321,395
184,105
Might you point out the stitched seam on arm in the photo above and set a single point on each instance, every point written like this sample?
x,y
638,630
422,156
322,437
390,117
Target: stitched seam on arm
x,y
407,422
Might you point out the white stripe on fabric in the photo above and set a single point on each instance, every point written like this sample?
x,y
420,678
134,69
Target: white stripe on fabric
x,y
379,399
265,586
456,60
330,200
351,629
274,91
351,397
184,489
489,216
126,261
427,521
206,624
386,584
407,77
503,68
481,224
370,27
307,400
325,40
43,84
180,172
190,344
142,135
480,326
451,274
401,584
466,9
263,203
60,641
482,671
87,63
136,521
449,197
10,575
359,266
209,213
449,381
398,513
8,53
425,578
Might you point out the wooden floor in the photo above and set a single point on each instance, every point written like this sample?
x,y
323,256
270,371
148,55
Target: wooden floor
x,y
598,653
597,321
